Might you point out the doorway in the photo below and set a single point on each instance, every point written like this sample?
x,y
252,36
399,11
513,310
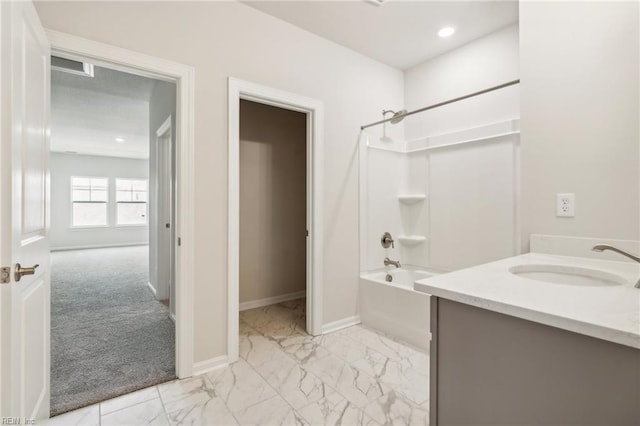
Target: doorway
x,y
25,366
312,111
272,219
111,327
183,131
164,223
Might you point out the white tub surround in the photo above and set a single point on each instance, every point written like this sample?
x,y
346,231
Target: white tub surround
x,y
394,307
403,277
410,199
419,191
411,240
610,313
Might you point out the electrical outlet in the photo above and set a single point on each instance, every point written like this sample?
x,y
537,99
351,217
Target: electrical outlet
x,y
565,205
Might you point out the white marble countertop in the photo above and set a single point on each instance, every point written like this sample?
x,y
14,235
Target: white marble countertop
x,y
610,312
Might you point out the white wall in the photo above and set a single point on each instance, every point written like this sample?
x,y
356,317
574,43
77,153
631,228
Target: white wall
x,y
222,39
63,166
272,201
580,117
480,64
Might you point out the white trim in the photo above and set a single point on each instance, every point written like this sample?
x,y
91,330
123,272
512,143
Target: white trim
x,y
202,367
164,131
164,127
152,288
486,139
340,324
87,227
517,208
258,303
113,57
239,89
363,197
5,208
105,55
97,246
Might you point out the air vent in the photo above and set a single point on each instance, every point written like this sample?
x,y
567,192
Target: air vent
x,y
72,67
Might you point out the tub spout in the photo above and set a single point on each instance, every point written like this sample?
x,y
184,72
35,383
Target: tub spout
x,y
388,262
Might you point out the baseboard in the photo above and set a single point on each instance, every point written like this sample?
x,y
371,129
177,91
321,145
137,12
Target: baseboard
x,y
271,300
340,324
96,246
210,364
152,288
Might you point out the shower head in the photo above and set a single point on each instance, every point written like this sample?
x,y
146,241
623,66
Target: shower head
x,y
398,116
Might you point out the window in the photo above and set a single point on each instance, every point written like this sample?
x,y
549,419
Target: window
x,y
131,201
89,201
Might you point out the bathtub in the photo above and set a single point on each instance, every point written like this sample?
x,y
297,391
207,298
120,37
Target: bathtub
x,y
395,308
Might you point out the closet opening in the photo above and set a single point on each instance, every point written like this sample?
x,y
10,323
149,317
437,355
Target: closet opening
x,y
272,221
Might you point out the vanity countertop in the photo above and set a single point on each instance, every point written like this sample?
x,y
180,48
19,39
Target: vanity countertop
x,y
610,313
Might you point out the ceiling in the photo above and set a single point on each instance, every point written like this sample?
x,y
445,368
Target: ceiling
x,y
89,113
398,33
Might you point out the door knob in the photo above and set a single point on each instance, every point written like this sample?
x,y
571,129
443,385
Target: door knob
x,y
20,271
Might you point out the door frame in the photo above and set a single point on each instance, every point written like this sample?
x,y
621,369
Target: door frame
x,y
165,128
101,54
313,108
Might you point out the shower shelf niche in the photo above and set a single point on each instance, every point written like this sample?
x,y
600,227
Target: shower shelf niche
x,y
411,240
411,198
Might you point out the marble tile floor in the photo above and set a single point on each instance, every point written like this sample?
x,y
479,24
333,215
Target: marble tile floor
x,y
354,376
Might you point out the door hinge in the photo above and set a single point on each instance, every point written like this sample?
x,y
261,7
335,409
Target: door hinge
x,y
179,241
5,275
307,232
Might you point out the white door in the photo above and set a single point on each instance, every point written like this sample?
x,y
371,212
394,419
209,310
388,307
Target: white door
x,y
165,216
24,223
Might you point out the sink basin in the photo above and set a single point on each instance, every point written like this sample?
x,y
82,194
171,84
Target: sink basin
x,y
568,275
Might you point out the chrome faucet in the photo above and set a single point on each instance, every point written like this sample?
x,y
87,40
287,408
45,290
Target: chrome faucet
x,y
388,262
602,247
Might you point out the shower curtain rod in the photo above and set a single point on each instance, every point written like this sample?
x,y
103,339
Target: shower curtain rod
x,y
439,104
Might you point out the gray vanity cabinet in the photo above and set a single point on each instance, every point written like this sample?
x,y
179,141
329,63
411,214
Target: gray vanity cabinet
x,y
489,368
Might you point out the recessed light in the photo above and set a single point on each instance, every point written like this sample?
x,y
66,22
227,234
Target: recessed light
x,y
446,31
119,140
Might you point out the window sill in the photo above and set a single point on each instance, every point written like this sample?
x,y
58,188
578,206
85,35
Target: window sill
x,y
88,228
104,227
